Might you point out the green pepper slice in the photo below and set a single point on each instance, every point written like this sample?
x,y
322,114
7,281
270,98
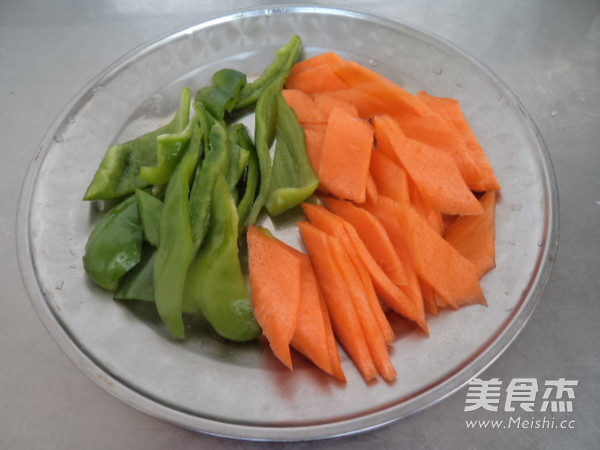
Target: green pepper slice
x,y
215,281
119,172
114,245
175,249
294,179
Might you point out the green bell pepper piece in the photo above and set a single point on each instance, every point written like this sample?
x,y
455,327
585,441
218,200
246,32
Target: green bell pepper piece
x,y
138,283
119,172
285,58
114,245
294,179
149,209
175,249
169,150
239,157
265,126
215,281
215,161
220,98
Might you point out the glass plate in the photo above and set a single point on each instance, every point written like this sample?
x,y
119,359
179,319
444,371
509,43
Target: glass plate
x,y
204,383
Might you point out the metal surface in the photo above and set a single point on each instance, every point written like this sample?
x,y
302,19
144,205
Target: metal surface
x,y
37,376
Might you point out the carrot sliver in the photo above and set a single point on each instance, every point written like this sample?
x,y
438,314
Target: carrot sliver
x,y
432,216
336,227
433,171
275,275
390,179
474,236
331,59
344,318
451,110
367,80
318,79
449,273
366,104
429,298
313,333
436,132
304,106
373,235
375,339
393,296
325,103
345,156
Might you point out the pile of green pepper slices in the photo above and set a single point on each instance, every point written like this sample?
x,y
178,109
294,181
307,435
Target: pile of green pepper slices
x,y
185,194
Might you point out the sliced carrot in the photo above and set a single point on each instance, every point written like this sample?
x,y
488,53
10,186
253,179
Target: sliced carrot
x,y
432,216
275,275
374,336
373,83
313,336
335,226
474,236
393,295
371,190
304,106
373,234
429,298
314,145
390,179
331,59
366,104
318,79
451,110
325,103
344,317
433,171
345,156
435,131
435,261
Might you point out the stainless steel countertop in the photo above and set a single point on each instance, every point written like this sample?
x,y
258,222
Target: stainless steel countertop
x,y
547,52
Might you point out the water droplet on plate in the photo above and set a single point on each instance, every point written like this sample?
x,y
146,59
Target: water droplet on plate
x,y
373,62
58,138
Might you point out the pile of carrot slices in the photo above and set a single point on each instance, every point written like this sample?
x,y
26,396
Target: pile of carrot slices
x,y
404,225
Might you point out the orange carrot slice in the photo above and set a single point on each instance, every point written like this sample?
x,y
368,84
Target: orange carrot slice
x,y
275,275
344,318
451,110
432,216
335,226
373,235
366,104
438,263
331,59
304,106
394,296
367,80
325,103
318,79
313,336
474,236
390,179
345,156
435,131
375,339
434,172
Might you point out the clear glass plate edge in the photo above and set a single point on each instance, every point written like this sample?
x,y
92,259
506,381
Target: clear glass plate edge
x,y
284,433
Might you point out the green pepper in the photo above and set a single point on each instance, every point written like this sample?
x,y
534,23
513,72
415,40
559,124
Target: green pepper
x,y
221,97
215,161
138,283
175,249
119,171
114,245
265,121
294,179
239,156
149,209
170,147
285,58
215,281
